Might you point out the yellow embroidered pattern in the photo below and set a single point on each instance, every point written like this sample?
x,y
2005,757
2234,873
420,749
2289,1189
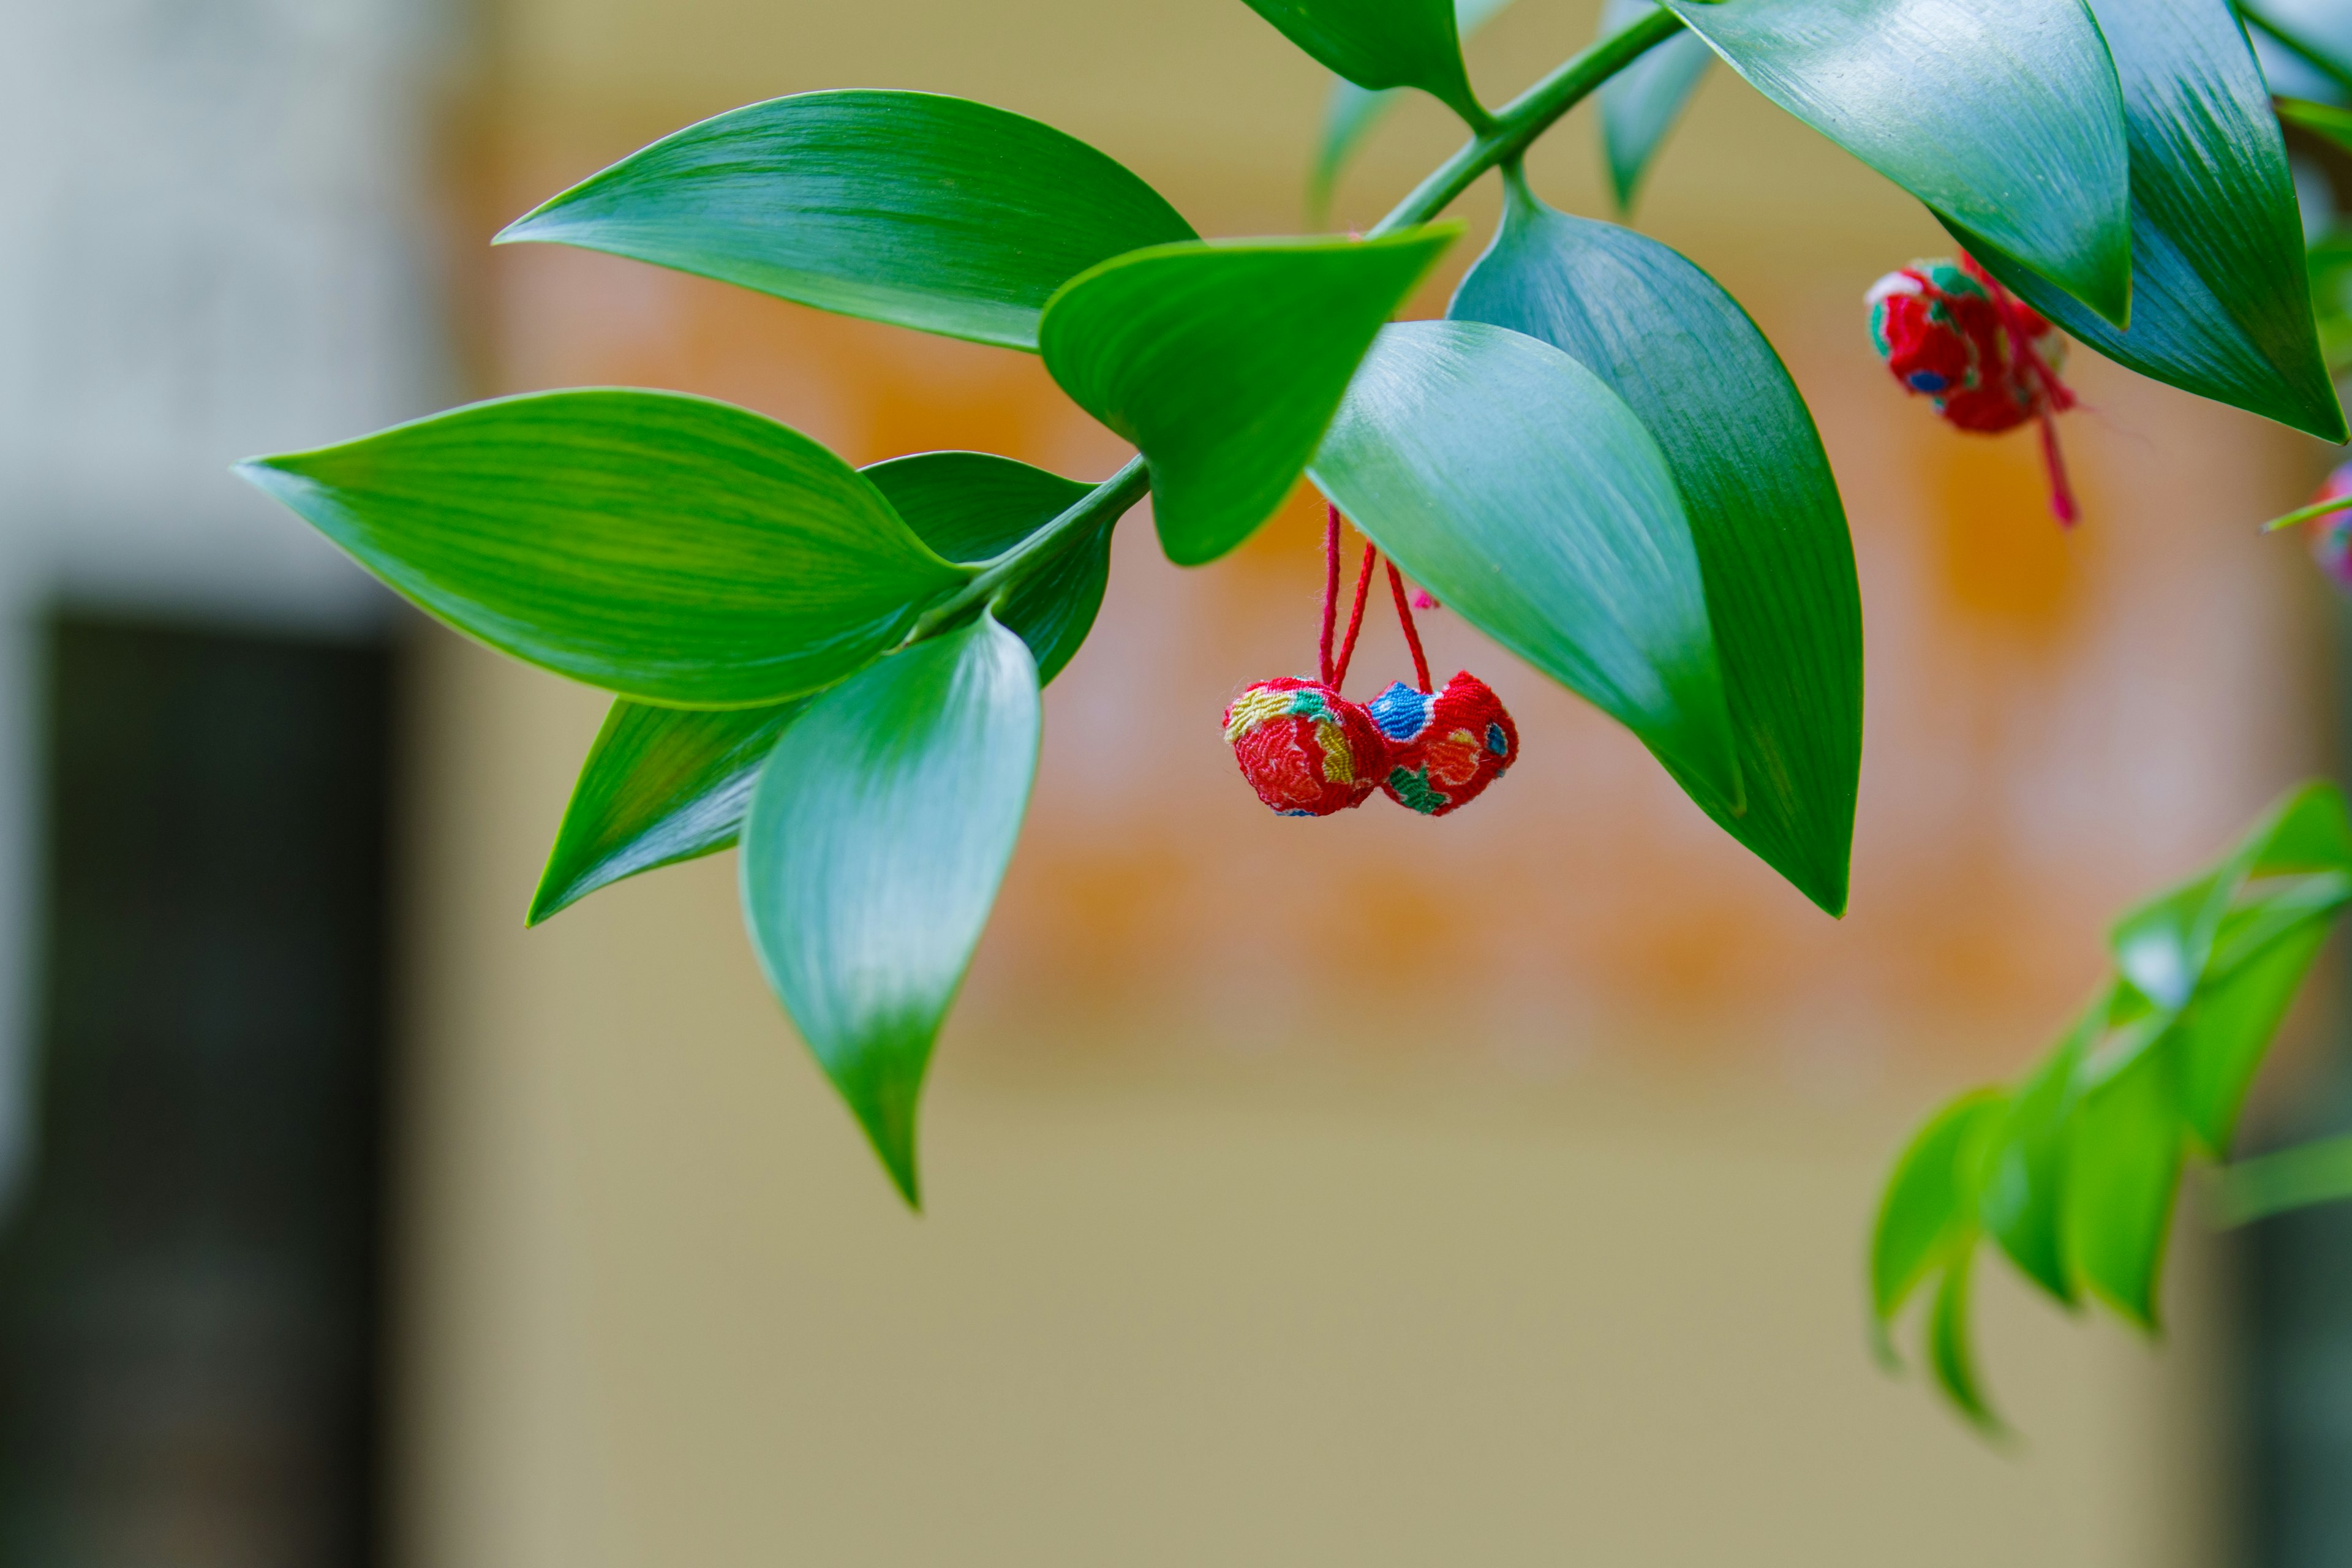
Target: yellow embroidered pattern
x,y
1338,766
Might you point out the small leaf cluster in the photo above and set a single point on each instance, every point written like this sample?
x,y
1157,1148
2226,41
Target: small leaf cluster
x,y
1596,457
2073,1170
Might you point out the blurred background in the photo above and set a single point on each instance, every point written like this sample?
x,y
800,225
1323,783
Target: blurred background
x,y
1369,1191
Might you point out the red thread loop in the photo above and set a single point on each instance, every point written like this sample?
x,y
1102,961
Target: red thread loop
x,y
2057,398
1335,671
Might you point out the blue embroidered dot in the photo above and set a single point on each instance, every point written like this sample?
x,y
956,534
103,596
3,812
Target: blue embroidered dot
x,y
1495,740
1400,711
1928,380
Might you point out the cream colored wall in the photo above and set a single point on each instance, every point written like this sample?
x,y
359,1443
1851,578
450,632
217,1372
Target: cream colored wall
x,y
1572,1283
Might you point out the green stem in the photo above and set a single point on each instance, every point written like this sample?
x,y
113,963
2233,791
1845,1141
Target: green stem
x,y
1528,116
1109,499
2305,513
2294,1178
1501,141
2301,48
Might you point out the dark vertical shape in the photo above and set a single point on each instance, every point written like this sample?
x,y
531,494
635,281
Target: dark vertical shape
x,y
2294,1482
190,1291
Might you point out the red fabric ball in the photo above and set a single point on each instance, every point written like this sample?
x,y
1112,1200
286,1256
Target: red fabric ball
x,y
1442,750
1941,331
1306,750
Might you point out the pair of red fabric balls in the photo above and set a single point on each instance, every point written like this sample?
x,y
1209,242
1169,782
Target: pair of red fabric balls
x,y
1309,752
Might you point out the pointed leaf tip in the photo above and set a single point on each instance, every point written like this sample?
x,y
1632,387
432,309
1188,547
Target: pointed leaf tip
x,y
877,835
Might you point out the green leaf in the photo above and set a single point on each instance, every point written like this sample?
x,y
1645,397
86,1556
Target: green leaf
x,y
1930,1203
2003,116
665,547
2225,1032
2221,296
2326,120
1383,43
1224,362
660,786
1525,494
969,506
2025,1171
1641,103
1353,111
665,784
927,212
1948,1350
1763,508
2122,1165
2165,945
877,835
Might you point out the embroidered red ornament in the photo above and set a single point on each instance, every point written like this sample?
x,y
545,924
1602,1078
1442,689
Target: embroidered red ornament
x,y
1445,749
1305,749
1948,331
1309,752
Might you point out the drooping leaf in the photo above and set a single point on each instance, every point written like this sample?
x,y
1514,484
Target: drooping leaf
x,y
2220,299
1763,507
2003,116
2227,1027
969,506
665,785
1641,103
1353,110
1949,1352
907,207
1930,1202
878,833
1525,494
2123,1166
665,547
1224,362
2080,1178
1383,43
2025,1168
660,786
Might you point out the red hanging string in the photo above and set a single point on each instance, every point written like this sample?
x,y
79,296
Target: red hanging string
x,y
1412,632
1330,585
1355,619
2057,396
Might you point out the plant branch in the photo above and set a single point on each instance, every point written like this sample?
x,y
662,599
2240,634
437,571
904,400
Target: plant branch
x,y
1112,498
2301,48
1504,138
1528,116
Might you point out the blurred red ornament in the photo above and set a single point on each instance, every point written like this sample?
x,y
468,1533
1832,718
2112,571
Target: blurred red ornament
x,y
1948,331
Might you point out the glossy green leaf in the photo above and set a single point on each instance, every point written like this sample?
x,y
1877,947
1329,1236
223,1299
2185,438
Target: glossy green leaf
x,y
969,506
2123,1166
1524,492
660,786
2221,296
1930,1201
1949,1352
1763,508
1383,43
1224,362
1641,103
2025,1169
2328,263
877,835
665,547
665,785
2003,116
1353,111
907,208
